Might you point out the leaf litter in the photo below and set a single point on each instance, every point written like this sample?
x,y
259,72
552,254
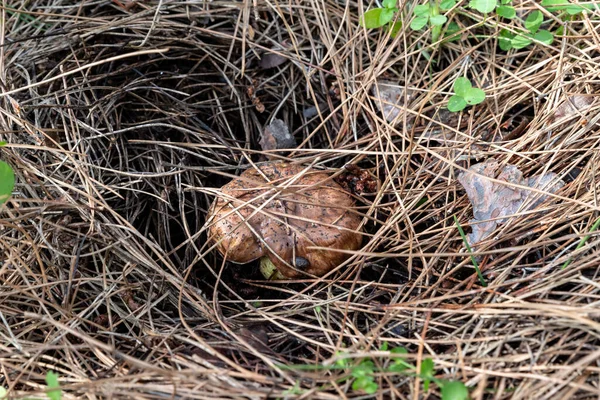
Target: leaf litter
x,y
392,99
493,202
152,223
575,105
277,136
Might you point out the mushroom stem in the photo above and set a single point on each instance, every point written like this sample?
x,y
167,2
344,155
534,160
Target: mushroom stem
x,y
268,269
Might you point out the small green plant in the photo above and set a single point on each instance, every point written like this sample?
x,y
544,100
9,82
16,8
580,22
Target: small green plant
x,y
502,7
582,242
524,37
534,21
362,374
473,260
563,5
430,13
26,18
7,180
465,94
427,13
294,391
54,392
379,17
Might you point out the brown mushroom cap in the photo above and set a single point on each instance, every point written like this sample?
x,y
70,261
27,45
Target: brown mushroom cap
x,y
280,212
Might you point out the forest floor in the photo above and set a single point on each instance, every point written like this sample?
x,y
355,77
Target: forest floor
x,y
122,119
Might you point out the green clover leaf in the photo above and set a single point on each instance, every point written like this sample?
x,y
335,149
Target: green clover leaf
x,y
507,12
370,19
386,15
544,36
483,6
520,41
454,390
446,5
474,96
421,10
462,86
456,103
534,20
438,20
418,23
7,181
52,383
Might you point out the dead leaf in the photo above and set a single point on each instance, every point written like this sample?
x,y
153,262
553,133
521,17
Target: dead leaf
x,y
492,201
277,136
390,99
271,60
574,106
546,182
256,336
15,105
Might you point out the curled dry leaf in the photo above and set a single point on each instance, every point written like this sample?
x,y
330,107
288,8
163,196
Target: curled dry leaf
x,y
492,201
391,100
281,213
277,136
574,106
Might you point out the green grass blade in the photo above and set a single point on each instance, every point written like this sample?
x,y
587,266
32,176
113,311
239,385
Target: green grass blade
x,y
582,242
473,260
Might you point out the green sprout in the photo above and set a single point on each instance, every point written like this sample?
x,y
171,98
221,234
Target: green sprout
x,y
465,94
362,374
7,180
582,242
473,260
563,5
379,17
425,13
52,383
533,22
503,8
429,13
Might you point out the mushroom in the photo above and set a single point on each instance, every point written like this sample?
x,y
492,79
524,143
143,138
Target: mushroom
x,y
280,212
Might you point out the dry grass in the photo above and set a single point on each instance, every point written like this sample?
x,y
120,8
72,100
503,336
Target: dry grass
x,y
121,122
